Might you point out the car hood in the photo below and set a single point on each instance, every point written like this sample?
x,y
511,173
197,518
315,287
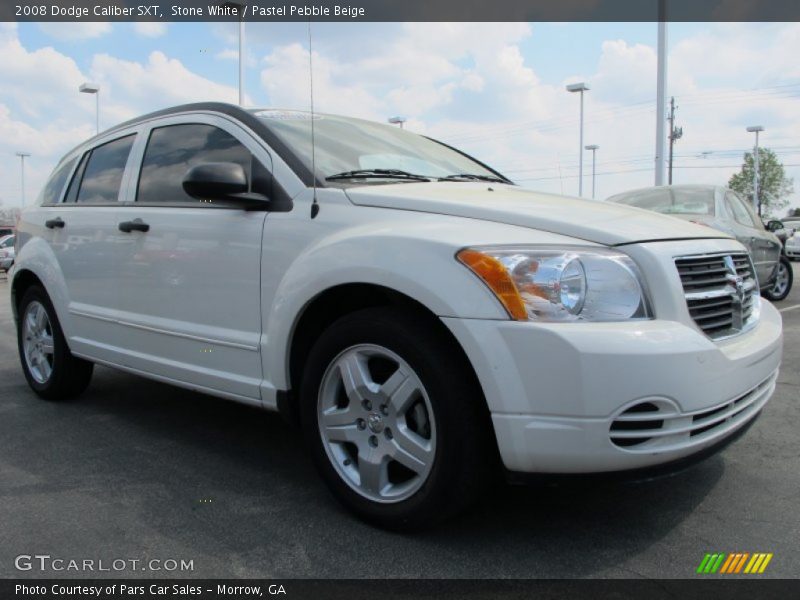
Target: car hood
x,y
600,222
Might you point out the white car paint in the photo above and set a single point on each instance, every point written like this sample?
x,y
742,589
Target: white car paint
x,y
209,300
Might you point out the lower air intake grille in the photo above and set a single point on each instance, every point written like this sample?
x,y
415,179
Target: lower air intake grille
x,y
658,425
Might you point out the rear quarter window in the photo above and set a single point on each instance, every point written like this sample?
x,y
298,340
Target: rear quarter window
x,y
103,171
51,194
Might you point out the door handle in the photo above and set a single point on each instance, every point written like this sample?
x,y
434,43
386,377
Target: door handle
x,y
56,223
135,225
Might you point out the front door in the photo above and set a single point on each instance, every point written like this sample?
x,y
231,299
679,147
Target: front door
x,y
189,294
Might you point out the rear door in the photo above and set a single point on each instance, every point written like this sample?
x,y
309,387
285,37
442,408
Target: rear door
x,y
189,281
78,219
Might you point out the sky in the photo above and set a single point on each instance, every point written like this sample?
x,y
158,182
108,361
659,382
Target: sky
x,y
495,90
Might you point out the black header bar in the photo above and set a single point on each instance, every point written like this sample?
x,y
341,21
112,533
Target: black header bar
x,y
402,10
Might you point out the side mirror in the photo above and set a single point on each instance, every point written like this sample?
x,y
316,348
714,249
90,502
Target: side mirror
x,y
215,181
774,226
223,181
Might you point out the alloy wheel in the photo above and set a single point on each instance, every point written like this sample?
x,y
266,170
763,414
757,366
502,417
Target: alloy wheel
x,y
37,342
377,423
781,281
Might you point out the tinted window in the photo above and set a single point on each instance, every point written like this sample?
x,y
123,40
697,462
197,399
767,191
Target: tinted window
x,y
72,191
103,173
173,150
52,191
740,212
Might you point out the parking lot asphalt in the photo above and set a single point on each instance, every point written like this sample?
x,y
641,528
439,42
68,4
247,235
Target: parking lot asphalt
x,y
136,469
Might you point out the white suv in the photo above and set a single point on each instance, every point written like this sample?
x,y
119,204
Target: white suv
x,y
425,320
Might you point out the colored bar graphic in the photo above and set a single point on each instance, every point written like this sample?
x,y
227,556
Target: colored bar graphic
x,y
702,567
718,563
725,567
765,563
734,562
741,562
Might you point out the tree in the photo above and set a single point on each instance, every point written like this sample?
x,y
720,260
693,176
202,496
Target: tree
x,y
773,185
793,212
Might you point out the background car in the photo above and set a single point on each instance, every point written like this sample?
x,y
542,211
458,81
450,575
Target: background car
x,y
724,210
792,247
781,230
7,252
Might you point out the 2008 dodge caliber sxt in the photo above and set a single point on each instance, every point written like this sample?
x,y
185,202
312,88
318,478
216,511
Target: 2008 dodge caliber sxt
x,y
418,313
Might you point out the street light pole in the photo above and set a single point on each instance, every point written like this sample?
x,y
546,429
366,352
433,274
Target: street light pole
x,y
93,88
756,203
593,148
22,157
397,121
572,88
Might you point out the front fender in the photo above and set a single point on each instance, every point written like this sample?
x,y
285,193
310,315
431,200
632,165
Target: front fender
x,y
410,260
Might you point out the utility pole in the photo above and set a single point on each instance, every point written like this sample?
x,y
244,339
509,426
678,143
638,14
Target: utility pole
x,y
675,133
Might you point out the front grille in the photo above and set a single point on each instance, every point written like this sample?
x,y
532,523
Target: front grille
x,y
721,292
658,425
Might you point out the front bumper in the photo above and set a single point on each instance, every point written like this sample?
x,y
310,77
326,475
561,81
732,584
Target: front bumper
x,y
555,390
792,251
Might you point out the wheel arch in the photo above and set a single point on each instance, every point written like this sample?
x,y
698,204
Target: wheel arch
x,y
23,280
36,263
334,303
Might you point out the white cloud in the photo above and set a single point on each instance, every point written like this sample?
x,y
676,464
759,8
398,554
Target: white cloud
x,y
151,29
131,88
75,31
286,80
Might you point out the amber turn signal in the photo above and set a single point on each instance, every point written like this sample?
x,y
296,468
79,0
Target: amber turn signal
x,y
494,275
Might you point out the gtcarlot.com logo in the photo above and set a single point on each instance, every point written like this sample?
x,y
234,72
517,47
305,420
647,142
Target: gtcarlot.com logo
x,y
45,562
735,563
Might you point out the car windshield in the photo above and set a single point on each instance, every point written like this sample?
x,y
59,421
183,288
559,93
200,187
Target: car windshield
x,y
351,150
672,201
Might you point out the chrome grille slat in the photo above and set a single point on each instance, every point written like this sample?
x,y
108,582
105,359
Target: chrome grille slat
x,y
721,292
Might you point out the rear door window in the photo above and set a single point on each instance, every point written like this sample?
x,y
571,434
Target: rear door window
x,y
103,171
172,150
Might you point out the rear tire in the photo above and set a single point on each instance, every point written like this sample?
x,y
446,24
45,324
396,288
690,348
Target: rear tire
x,y
408,441
50,368
782,285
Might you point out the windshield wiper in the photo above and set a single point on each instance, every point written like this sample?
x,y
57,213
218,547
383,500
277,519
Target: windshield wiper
x,y
472,177
377,174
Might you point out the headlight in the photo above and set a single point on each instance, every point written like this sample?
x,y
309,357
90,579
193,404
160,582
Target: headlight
x,y
561,284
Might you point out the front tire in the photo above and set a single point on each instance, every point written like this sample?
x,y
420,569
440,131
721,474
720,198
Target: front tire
x,y
395,419
782,285
50,368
